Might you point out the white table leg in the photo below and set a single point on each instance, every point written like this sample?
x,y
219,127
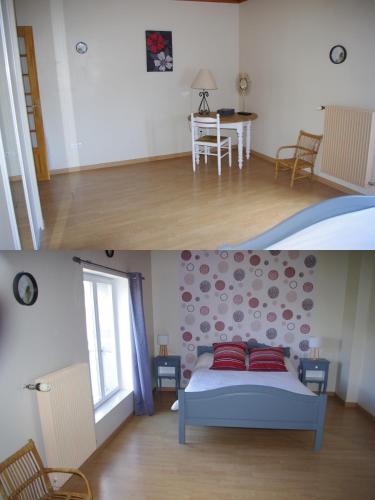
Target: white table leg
x,y
240,145
248,140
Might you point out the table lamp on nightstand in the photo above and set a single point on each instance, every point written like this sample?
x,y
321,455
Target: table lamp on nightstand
x,y
204,81
314,344
163,341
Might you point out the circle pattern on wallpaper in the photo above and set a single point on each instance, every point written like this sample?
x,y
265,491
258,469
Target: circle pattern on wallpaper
x,y
204,269
273,292
223,295
238,316
205,286
271,333
239,275
189,279
237,299
257,284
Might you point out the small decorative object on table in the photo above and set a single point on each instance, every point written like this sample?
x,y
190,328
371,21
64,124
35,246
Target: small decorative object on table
x,y
314,371
226,111
163,341
168,367
315,343
204,81
159,51
243,86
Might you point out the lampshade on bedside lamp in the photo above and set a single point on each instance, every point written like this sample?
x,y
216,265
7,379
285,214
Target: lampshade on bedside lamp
x,y
204,81
163,341
315,343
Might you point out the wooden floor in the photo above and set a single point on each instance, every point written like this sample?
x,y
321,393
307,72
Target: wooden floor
x,y
162,205
145,461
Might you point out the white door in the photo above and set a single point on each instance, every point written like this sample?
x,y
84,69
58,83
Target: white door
x,y
15,125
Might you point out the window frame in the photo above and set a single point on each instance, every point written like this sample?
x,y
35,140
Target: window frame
x,y
94,278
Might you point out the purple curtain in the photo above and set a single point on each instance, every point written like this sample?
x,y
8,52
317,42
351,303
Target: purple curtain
x,y
143,400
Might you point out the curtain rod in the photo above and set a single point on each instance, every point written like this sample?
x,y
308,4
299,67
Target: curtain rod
x,y
82,261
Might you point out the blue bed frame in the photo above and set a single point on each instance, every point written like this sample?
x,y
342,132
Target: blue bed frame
x,y
251,406
309,216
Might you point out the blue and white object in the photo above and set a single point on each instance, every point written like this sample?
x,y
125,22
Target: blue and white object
x,y
343,223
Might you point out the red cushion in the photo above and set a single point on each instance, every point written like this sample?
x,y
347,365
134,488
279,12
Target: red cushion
x,y
229,356
271,359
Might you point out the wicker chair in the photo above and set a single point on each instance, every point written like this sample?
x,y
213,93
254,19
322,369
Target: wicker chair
x,y
24,477
304,156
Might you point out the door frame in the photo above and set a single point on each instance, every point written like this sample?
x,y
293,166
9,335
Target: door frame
x,y
9,39
42,169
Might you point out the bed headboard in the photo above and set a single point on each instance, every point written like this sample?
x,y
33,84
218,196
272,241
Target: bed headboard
x,y
204,348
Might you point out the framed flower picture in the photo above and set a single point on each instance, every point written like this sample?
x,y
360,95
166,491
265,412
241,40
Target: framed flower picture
x,y
159,51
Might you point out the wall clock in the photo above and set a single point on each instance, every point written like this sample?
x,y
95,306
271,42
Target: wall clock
x,y
25,289
81,47
338,54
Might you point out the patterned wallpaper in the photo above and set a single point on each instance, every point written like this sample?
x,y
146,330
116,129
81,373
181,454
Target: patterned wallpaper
x,y
265,295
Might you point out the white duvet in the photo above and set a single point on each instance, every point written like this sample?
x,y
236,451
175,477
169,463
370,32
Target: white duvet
x,y
353,231
204,379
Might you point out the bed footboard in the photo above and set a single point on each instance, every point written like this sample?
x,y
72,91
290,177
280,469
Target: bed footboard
x,y
254,406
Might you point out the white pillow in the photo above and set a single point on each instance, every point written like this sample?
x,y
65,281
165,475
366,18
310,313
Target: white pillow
x,y
204,361
290,366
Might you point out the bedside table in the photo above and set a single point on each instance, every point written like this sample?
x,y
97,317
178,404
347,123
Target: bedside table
x,y
167,367
314,371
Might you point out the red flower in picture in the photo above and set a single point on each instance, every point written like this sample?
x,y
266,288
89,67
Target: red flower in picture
x,y
155,43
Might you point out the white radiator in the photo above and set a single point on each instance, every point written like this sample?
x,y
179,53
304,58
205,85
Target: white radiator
x,y
67,418
349,145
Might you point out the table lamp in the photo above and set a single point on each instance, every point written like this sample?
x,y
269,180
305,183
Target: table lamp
x,y
315,343
204,81
163,341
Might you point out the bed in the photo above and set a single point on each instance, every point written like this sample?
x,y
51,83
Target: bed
x,y
329,225
253,401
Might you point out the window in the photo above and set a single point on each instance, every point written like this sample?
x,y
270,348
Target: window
x,y
102,336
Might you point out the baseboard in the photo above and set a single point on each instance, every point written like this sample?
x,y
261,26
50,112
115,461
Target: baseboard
x,y
263,156
317,177
110,437
352,404
135,161
335,185
167,389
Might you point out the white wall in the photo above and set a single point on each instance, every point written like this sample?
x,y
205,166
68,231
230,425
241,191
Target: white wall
x,y
50,335
105,100
356,373
284,46
366,392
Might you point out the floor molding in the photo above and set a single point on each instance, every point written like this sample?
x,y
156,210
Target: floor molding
x,y
352,404
100,166
316,177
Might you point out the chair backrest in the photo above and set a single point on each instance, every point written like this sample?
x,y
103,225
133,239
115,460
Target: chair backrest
x,y
309,141
204,122
22,475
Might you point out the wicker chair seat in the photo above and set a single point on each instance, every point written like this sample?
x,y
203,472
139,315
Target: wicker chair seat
x,y
65,495
289,163
211,139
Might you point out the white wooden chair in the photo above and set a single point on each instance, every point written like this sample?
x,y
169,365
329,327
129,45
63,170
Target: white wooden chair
x,y
202,144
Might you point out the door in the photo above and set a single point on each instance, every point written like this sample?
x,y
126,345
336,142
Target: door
x,y
32,97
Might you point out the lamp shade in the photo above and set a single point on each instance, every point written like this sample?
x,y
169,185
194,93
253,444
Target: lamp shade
x,y
163,339
204,80
315,342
